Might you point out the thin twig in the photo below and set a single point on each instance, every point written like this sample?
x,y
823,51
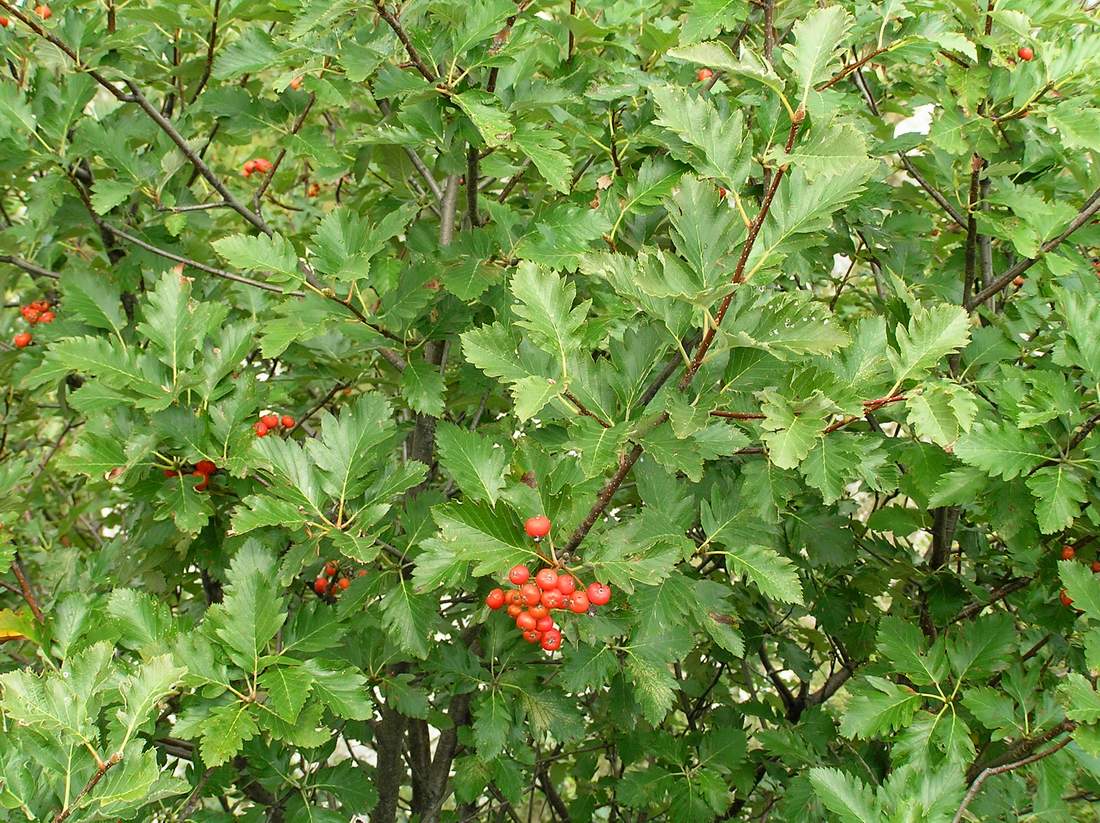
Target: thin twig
x,y
209,65
298,123
103,768
26,590
582,409
1007,767
29,267
403,36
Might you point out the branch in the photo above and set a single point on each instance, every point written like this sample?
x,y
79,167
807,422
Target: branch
x,y
990,772
26,590
1083,432
789,701
206,69
103,768
851,67
1091,207
582,409
258,196
971,254
1022,748
29,267
403,36
999,593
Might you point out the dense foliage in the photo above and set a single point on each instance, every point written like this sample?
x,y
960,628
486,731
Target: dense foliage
x,y
313,303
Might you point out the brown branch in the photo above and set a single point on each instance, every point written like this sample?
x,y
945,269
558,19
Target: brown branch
x,y
1021,748
582,409
999,593
93,781
298,123
746,250
1091,207
513,180
29,267
971,254
552,796
851,67
320,404
472,174
603,498
1007,767
789,700
1083,432
26,590
403,36
209,65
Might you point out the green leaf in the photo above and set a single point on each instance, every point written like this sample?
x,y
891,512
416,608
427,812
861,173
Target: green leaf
x,y
546,311
1059,494
93,299
343,690
259,252
225,732
287,688
545,150
941,412
476,465
423,387
832,148
704,19
721,145
792,428
1082,586
106,194
999,449
845,796
931,335
877,706
251,613
813,54
141,692
484,112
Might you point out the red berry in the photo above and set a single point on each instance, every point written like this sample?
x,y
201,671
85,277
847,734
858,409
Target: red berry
x,y
262,164
532,636
495,599
599,594
547,579
202,484
296,83
551,598
518,575
248,167
514,597
539,611
30,313
46,317
271,421
43,11
722,193
1025,53
320,585
526,621
330,569
287,421
4,22
531,593
537,527
171,473
551,640
1065,598
22,340
579,603
343,583
514,610
260,429
40,305
1096,565
704,74
361,573
313,190
1068,553
205,467
544,624
566,584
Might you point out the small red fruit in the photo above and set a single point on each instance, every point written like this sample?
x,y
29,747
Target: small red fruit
x,y
1018,281
1095,566
566,584
248,167
545,624
296,83
287,421
531,593
1025,53
722,193
514,597
330,569
532,636
704,74
343,583
206,467
1065,598
320,585
43,11
579,603
271,421
539,611
361,573
171,473
262,165
551,640
4,22
599,594
551,598
547,579
538,526
1068,553
46,317
260,429
31,313
514,610
519,575
495,599
22,340
526,621
313,190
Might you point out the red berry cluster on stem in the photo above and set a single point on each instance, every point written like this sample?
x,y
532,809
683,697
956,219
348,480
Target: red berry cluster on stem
x,y
36,312
531,601
204,470
331,582
260,165
1069,553
270,421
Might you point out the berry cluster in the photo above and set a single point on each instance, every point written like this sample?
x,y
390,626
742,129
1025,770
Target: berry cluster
x,y
261,165
271,421
530,603
204,469
330,582
36,312
1069,553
